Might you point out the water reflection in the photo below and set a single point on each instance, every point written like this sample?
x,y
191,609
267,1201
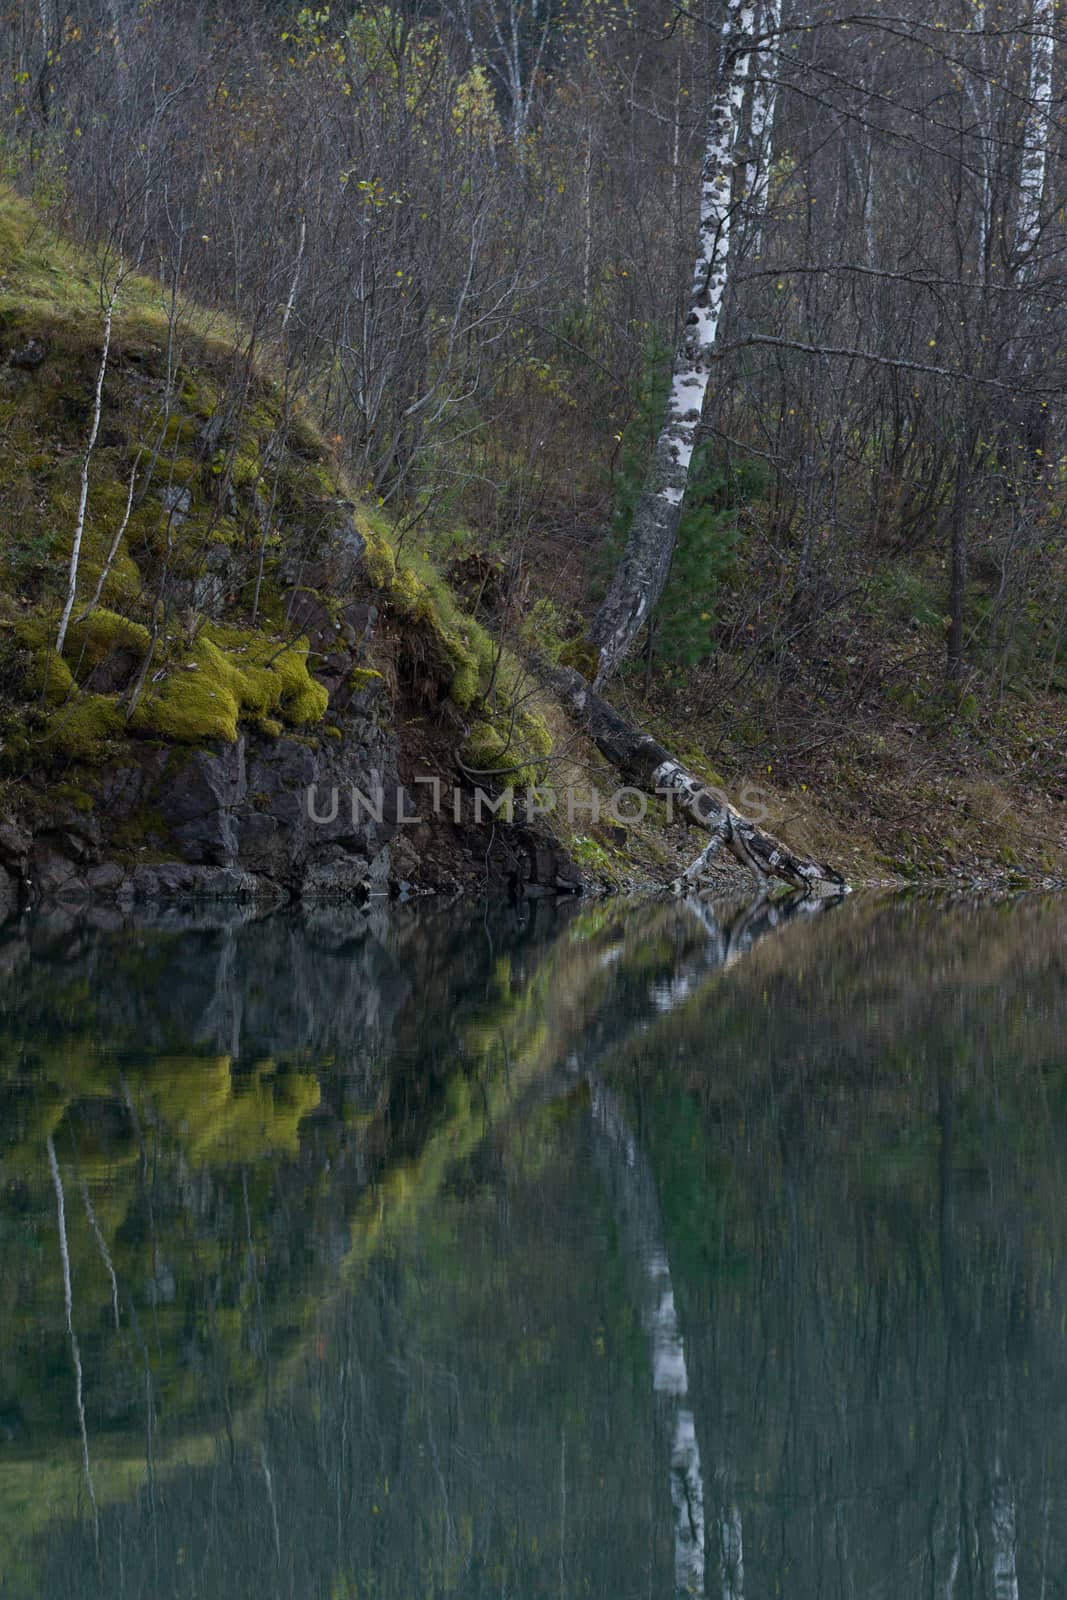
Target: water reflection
x,y
640,1250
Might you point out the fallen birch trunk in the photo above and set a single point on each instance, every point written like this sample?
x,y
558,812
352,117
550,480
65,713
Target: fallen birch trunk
x,y
648,766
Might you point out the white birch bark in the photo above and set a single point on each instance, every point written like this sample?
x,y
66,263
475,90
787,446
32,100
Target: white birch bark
x,y
295,284
629,1179
979,92
639,578
1037,129
83,496
515,50
946,1541
761,121
587,218
649,766
1002,1516
105,570
75,1352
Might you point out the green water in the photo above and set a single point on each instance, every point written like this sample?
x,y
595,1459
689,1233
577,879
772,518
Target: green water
x,y
633,1250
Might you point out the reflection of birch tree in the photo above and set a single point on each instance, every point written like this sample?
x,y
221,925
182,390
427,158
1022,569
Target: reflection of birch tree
x,y
75,1352
1002,1517
629,1181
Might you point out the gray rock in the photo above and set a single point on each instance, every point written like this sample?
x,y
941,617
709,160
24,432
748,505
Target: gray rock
x,y
336,875
15,843
235,816
56,876
122,789
29,356
9,894
176,499
106,878
208,593
198,800
182,880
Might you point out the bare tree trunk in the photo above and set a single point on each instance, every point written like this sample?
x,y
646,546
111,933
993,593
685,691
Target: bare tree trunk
x,y
83,497
1033,174
648,766
105,570
1037,129
761,122
75,1352
587,217
641,574
958,578
629,1179
1002,1517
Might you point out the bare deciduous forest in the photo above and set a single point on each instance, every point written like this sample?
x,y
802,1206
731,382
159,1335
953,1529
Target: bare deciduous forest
x,y
805,506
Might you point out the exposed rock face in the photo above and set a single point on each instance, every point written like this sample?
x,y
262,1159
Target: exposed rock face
x,y
15,845
9,894
236,819
222,821
271,815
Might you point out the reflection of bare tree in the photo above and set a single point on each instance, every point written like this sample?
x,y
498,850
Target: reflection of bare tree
x,y
1002,1512
321,988
628,1179
75,1353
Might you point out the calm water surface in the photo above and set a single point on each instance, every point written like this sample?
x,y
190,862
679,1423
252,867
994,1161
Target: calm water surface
x,y
633,1251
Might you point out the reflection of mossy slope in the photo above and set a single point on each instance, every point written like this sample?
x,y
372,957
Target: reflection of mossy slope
x,y
169,1165
200,522
191,1161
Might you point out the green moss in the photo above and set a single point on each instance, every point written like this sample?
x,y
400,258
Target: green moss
x,y
589,853
50,677
505,736
180,430
381,564
42,273
231,673
140,831
465,684
228,675
362,678
534,732
75,796
194,703
84,725
509,745
102,635
581,655
484,750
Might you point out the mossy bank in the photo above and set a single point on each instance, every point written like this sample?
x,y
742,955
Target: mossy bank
x,y
242,630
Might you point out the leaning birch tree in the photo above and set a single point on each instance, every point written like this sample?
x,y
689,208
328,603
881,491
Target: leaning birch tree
x,y
642,572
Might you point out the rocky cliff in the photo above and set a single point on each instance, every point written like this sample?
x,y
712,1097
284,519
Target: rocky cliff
x,y
199,624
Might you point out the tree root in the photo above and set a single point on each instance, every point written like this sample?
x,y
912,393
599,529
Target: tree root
x,y
648,766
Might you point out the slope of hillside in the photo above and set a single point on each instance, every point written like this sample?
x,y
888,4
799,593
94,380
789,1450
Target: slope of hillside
x,y
241,630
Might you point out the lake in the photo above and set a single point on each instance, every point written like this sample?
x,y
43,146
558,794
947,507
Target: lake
x,y
612,1249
